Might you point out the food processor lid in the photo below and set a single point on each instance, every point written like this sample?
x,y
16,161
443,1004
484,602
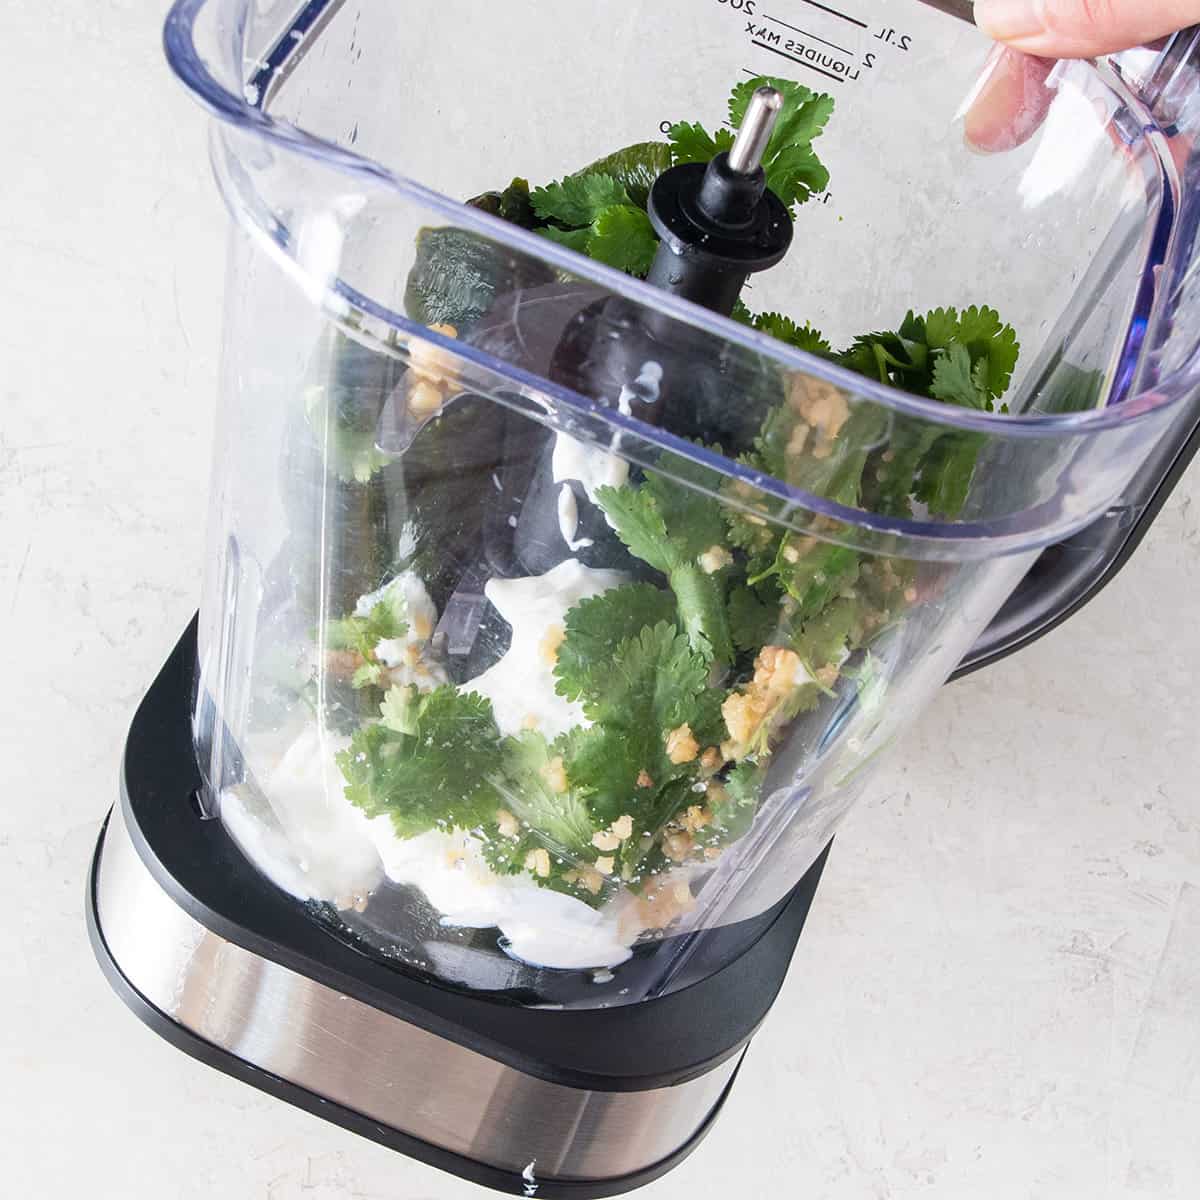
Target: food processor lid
x,y
1159,361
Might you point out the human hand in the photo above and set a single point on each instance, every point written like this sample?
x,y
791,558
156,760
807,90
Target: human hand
x,y
1082,28
1013,98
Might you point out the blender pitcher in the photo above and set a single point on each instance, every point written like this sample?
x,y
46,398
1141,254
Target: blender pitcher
x,y
575,549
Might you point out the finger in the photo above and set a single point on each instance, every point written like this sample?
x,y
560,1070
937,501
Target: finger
x,y
1082,28
1010,102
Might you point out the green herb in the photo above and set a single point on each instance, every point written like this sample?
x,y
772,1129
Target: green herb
x,y
388,618
691,142
623,237
637,515
794,172
595,627
428,764
547,818
653,684
578,199
802,337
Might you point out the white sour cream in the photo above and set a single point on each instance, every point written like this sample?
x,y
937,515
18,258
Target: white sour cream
x,y
568,519
539,926
421,612
521,684
300,831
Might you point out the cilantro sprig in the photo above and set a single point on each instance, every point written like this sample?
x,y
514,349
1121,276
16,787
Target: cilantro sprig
x,y
387,618
427,764
600,211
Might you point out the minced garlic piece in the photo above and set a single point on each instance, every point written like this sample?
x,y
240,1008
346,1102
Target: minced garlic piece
x,y
605,840
643,779
677,846
827,676
591,879
510,827
682,747
551,640
695,818
538,861
424,398
555,775
711,759
429,361
775,675
714,558
604,864
623,826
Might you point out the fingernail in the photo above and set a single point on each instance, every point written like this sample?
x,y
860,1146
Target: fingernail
x,y
1007,19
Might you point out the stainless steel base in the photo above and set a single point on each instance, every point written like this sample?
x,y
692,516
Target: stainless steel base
x,y
341,1050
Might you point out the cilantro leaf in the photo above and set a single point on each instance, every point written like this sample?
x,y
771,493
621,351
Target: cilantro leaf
x,y
691,142
702,611
752,623
733,811
822,639
573,239
988,338
652,686
433,778
637,514
560,818
803,337
946,473
653,679
577,199
634,167
954,379
803,116
361,634
640,525
813,573
623,237
595,627
794,172
682,491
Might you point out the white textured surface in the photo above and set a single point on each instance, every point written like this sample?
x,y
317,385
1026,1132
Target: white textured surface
x,y
999,991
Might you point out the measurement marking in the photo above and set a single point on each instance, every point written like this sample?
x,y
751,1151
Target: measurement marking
x,y
802,63
834,12
797,29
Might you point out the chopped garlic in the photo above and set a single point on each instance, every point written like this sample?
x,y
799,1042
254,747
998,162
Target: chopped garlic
x,y
605,841
555,775
424,398
714,558
538,861
510,827
682,747
551,640
677,846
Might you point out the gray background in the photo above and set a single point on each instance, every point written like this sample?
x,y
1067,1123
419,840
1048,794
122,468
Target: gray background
x,y
998,994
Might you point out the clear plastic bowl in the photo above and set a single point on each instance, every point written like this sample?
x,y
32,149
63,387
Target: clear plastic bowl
x,y
568,745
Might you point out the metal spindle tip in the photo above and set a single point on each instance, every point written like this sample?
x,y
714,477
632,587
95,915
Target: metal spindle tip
x,y
745,155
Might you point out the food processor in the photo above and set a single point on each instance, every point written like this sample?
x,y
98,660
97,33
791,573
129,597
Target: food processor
x,y
627,423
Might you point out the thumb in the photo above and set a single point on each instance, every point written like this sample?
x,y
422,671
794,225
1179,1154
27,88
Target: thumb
x,y
1082,28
